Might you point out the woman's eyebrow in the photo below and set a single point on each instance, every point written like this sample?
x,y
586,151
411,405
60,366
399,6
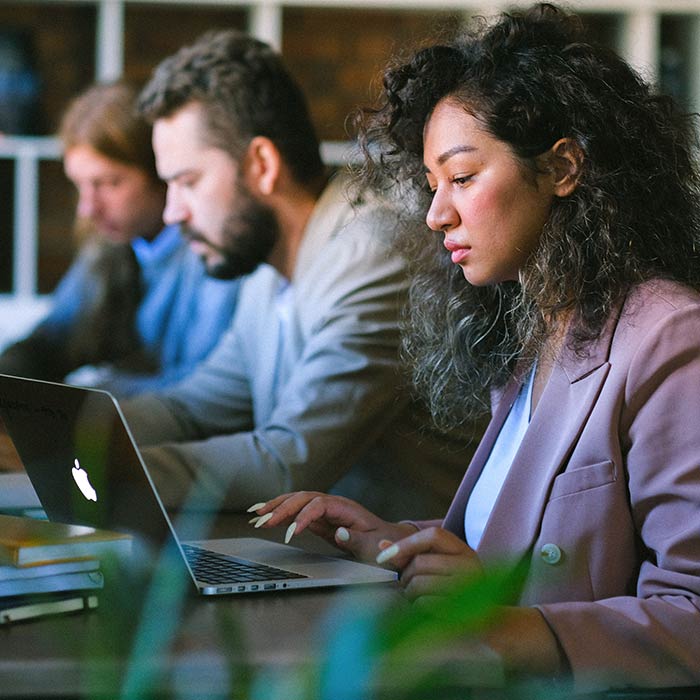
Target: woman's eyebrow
x,y
463,148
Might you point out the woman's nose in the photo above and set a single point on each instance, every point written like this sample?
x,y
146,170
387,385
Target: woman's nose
x,y
442,215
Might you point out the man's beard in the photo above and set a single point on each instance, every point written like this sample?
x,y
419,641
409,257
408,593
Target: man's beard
x,y
249,235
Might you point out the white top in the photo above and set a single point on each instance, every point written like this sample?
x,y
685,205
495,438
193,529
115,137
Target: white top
x,y
488,486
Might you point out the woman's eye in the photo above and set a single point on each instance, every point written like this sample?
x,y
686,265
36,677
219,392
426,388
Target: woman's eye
x,y
461,179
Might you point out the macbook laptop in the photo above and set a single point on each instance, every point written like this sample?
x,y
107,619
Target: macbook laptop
x,y
86,469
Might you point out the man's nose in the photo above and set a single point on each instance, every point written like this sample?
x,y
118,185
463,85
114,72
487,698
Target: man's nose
x,y
175,211
88,203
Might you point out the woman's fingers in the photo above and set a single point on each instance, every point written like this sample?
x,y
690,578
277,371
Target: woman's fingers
x,y
432,539
428,560
336,519
282,508
438,565
364,544
322,529
306,508
429,573
422,586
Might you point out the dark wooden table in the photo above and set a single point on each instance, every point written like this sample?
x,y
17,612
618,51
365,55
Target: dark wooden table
x,y
287,645
156,643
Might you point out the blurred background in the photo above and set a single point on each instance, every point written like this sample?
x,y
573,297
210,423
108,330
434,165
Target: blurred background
x,y
52,49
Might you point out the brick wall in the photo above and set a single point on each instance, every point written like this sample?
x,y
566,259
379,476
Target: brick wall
x,y
338,55
335,54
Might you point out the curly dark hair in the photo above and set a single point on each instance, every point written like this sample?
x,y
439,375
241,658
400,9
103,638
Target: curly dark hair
x,y
245,90
532,78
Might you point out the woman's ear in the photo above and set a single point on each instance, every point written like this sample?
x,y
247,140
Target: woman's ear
x,y
261,166
565,163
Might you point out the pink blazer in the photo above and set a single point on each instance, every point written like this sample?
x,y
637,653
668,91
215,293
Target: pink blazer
x,y
603,496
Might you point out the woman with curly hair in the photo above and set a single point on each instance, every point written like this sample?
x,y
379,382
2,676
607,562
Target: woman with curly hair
x,y
564,282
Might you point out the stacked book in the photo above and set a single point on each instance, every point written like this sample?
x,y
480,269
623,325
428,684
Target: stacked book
x,y
48,567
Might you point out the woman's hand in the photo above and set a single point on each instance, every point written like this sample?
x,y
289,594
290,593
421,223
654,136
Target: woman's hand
x,y
338,520
429,560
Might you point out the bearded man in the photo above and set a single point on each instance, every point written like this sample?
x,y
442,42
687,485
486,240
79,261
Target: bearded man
x,y
305,390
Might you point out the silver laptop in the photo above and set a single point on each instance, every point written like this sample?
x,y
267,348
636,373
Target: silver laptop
x,y
86,469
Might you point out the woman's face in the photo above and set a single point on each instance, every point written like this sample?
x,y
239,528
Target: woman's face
x,y
489,207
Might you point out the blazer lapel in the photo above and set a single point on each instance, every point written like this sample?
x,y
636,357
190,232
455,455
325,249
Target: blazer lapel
x,y
454,520
561,414
558,421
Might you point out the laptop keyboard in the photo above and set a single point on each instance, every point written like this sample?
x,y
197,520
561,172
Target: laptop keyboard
x,y
213,568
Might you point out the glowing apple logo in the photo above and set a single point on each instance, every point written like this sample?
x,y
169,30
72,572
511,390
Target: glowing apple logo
x,y
80,477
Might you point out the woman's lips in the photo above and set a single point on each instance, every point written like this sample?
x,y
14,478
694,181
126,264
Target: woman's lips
x,y
459,252
459,256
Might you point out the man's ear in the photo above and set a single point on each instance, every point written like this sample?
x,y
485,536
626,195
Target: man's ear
x,y
261,166
565,161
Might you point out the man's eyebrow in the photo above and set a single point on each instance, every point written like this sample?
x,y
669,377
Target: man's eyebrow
x,y
462,148
185,172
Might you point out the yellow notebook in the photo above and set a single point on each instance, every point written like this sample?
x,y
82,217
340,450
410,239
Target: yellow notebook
x,y
28,541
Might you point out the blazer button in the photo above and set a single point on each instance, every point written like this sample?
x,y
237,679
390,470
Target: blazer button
x,y
550,553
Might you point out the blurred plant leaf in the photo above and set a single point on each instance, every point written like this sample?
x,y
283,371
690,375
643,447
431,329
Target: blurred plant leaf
x,y
465,606
376,648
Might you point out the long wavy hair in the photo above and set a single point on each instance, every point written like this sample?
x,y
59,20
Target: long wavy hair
x,y
530,79
104,118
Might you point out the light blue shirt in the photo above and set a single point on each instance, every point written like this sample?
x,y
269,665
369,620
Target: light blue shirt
x,y
485,492
183,311
181,316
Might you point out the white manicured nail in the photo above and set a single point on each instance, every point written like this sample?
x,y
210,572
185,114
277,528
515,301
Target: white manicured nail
x,y
254,520
257,506
386,554
290,531
263,519
342,534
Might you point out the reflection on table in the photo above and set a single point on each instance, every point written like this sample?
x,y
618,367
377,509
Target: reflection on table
x,y
164,640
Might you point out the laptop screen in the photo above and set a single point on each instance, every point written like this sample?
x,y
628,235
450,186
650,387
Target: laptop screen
x,y
80,458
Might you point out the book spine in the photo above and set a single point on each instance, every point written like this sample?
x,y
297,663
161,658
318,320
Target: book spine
x,y
49,584
46,607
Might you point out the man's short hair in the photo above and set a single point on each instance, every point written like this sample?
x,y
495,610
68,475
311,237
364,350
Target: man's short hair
x,y
245,91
